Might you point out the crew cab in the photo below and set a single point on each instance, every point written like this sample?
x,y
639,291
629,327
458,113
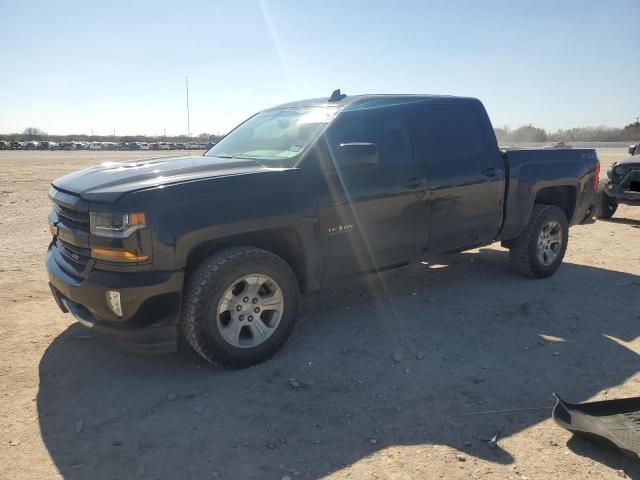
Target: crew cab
x,y
218,248
622,185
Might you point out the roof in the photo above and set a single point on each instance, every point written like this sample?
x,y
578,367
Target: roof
x,y
368,100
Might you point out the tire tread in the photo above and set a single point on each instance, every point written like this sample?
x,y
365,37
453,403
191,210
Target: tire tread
x,y
520,254
195,298
603,200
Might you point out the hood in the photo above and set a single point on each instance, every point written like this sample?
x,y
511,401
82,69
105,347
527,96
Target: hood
x,y
110,180
630,161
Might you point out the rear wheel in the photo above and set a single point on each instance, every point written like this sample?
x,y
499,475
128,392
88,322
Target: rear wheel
x,y
240,306
605,205
539,250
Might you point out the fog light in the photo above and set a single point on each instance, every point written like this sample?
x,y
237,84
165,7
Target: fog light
x,y
113,300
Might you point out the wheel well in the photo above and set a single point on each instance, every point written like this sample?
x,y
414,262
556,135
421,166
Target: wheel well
x,y
562,197
284,242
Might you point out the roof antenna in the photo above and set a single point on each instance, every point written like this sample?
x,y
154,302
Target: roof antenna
x,y
336,96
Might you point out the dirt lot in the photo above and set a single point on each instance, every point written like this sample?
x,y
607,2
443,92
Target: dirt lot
x,y
481,349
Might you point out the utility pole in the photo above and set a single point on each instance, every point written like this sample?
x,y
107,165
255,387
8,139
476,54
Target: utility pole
x,y
186,79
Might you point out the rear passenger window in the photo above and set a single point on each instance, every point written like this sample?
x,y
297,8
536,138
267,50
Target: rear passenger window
x,y
386,127
450,131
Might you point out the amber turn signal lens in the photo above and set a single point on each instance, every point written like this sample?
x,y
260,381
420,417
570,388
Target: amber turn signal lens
x,y
137,219
117,255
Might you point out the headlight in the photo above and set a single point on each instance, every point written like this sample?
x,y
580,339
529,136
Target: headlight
x,y
619,170
116,225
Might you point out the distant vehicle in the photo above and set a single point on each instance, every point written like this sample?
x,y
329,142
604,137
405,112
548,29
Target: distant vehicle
x,y
68,145
133,146
164,146
143,146
621,186
217,248
5,145
154,146
558,146
17,145
95,146
180,146
31,145
54,146
44,145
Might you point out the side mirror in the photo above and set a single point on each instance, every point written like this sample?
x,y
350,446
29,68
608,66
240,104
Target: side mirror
x,y
632,149
357,154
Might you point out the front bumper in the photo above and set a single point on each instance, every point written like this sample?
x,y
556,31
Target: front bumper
x,y
622,194
625,189
150,304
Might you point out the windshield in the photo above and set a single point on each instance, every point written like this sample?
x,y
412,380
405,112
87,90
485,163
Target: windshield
x,y
274,137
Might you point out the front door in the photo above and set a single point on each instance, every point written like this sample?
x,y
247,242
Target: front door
x,y
370,215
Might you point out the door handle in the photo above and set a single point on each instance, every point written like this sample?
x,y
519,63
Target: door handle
x,y
490,172
414,183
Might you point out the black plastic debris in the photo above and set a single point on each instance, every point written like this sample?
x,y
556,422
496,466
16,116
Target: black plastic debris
x,y
615,422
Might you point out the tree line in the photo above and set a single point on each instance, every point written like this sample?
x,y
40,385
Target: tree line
x,y
32,133
505,135
529,133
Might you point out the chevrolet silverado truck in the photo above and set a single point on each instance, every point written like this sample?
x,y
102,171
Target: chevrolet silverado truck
x,y
622,185
218,248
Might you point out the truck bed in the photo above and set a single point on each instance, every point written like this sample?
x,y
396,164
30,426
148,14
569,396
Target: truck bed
x,y
534,173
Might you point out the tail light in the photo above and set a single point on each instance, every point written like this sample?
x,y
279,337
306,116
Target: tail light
x,y
596,175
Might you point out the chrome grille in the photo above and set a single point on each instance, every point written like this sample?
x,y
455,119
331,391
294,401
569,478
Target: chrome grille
x,y
72,218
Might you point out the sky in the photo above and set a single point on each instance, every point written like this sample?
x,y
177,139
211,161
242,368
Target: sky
x,y
83,66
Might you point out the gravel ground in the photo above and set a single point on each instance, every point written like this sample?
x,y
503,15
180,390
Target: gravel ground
x,y
402,375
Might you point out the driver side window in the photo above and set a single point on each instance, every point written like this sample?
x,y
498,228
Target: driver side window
x,y
386,127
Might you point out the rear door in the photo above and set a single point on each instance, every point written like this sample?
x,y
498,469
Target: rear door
x,y
465,172
370,214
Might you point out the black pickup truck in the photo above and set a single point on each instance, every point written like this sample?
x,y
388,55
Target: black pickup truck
x,y
219,247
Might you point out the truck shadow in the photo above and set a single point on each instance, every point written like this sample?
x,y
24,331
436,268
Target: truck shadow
x,y
479,351
624,221
604,454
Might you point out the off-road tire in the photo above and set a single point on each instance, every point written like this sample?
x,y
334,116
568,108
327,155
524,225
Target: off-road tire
x,y
208,283
605,205
524,253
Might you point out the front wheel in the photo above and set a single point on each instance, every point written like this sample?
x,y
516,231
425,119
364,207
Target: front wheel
x,y
605,205
539,250
240,306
